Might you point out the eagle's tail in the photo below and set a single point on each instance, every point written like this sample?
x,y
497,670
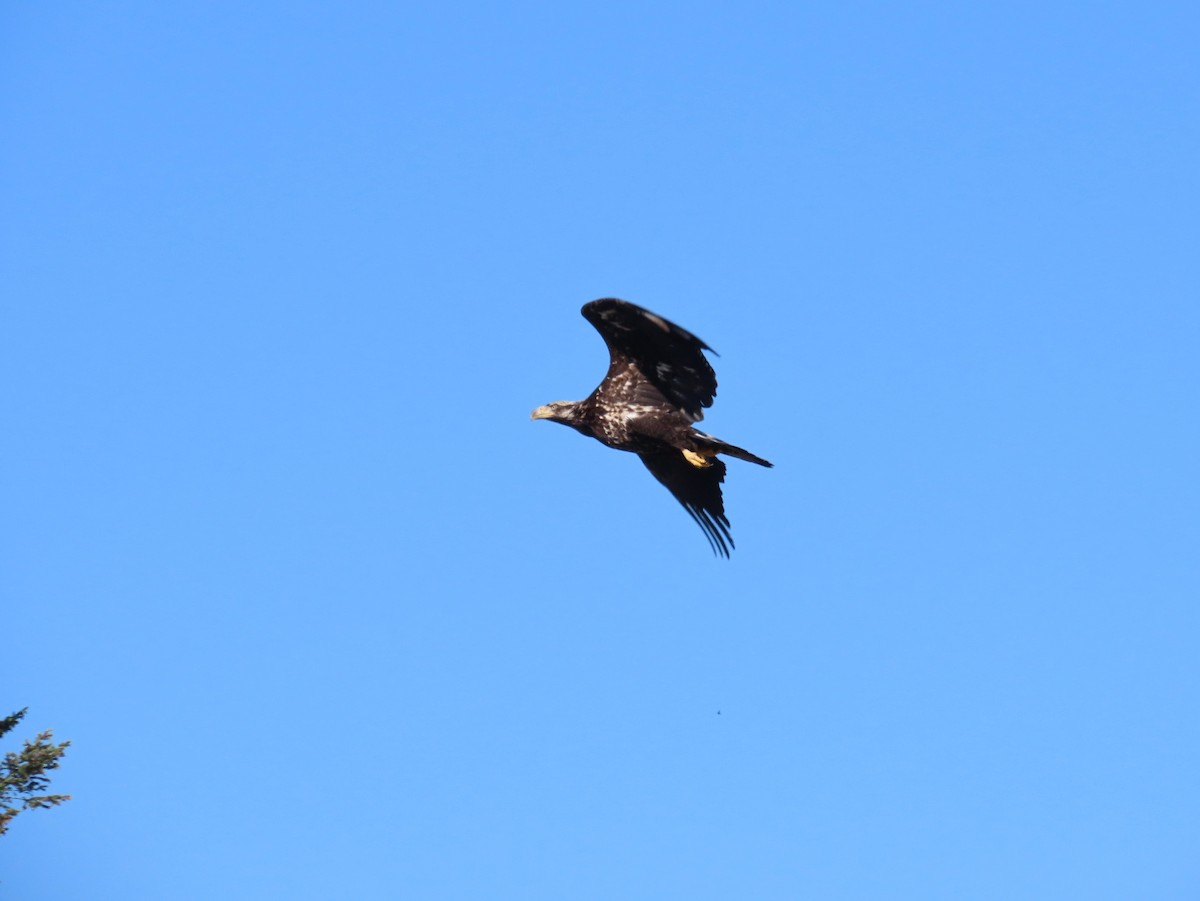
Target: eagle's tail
x,y
710,446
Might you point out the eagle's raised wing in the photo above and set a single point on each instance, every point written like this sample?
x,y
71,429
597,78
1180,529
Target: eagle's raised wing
x,y
699,490
669,359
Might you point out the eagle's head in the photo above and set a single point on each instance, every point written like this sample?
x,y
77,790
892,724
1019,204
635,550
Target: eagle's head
x,y
564,411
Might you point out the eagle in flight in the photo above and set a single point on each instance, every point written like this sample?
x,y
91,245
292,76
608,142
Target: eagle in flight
x,y
657,386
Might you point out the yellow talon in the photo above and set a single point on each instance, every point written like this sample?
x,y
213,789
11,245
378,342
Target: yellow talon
x,y
696,459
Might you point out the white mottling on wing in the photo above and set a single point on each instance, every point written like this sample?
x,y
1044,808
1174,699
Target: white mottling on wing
x,y
659,321
636,411
612,317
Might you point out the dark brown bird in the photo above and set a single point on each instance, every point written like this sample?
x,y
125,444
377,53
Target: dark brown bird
x,y
658,384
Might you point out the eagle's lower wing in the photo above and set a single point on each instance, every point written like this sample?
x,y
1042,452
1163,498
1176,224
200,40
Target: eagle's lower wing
x,y
699,490
670,359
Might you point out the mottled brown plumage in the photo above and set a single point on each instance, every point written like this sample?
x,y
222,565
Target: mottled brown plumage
x,y
658,384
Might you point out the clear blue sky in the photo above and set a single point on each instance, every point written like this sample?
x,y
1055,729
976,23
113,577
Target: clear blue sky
x,y
326,616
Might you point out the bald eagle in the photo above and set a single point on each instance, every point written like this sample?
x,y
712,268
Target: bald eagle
x,y
657,386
